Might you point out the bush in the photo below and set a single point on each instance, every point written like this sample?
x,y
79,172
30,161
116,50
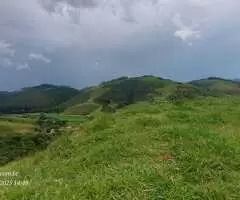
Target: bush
x,y
48,125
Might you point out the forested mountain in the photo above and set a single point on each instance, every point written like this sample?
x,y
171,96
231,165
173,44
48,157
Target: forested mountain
x,y
35,99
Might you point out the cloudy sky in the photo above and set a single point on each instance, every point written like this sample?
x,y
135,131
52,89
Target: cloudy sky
x,y
83,42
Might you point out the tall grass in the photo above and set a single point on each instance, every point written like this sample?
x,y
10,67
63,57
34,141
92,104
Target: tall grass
x,y
166,151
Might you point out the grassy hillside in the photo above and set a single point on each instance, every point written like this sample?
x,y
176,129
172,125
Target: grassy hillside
x,y
123,91
35,99
21,135
82,109
13,130
218,87
14,124
156,150
118,93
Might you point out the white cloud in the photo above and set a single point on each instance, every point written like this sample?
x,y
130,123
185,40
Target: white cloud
x,y
23,66
186,34
39,57
6,49
6,54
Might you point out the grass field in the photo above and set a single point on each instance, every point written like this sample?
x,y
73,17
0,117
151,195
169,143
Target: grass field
x,y
10,124
152,151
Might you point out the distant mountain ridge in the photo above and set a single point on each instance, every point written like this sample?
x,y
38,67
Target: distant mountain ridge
x,y
40,98
111,94
218,86
123,91
236,80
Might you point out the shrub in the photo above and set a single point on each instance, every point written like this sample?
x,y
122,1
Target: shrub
x,y
47,125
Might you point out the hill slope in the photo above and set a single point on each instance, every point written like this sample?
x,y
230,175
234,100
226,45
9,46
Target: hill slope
x,y
35,99
125,91
143,151
218,86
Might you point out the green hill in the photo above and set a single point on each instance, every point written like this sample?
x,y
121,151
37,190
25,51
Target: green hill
x,y
128,138
40,98
147,150
218,86
124,91
112,95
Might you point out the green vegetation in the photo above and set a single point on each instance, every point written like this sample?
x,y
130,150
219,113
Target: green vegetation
x,y
155,150
129,138
18,138
82,109
218,87
111,95
125,91
43,98
129,91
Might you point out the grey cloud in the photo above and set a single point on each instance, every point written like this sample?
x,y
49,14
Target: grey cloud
x,y
23,66
50,5
29,22
92,40
6,54
6,49
6,62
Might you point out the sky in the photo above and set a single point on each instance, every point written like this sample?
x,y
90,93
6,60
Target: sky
x,y
84,42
